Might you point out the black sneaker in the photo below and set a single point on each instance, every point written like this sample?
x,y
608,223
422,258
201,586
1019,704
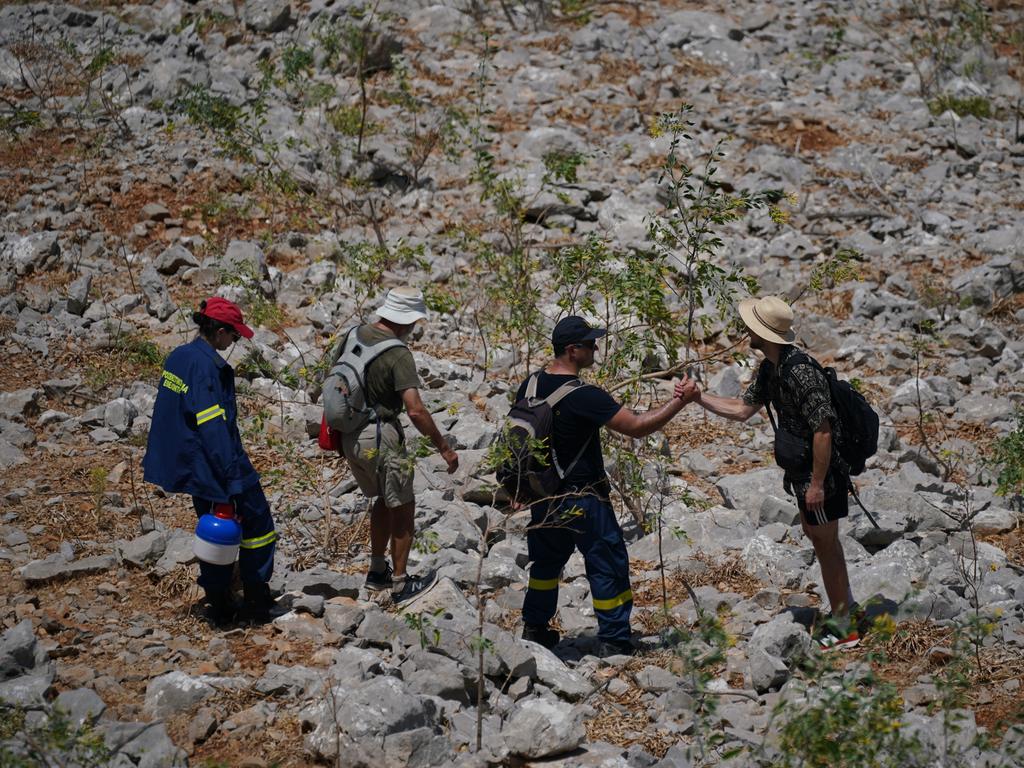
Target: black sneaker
x,y
616,648
414,586
378,581
542,635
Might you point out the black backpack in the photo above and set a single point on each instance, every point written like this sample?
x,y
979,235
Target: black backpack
x,y
529,469
859,440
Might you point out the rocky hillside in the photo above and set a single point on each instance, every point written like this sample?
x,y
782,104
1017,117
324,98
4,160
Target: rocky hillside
x,y
865,160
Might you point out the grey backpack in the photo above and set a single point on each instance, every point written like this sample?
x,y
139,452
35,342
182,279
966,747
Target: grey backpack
x,y
346,407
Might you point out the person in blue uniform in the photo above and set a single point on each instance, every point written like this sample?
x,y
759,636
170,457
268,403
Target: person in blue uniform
x,y
580,515
194,448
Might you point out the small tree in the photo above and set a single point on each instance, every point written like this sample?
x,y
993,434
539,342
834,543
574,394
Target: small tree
x,y
1007,460
687,235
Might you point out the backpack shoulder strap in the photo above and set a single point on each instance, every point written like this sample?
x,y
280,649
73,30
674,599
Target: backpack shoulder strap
x,y
552,400
531,386
383,346
357,364
576,460
568,388
351,357
339,347
796,357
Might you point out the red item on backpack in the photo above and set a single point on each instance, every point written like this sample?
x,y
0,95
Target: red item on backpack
x,y
329,439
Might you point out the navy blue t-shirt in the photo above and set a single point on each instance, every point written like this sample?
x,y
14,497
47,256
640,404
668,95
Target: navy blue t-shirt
x,y
578,416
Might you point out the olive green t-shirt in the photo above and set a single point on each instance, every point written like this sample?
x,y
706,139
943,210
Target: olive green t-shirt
x,y
388,375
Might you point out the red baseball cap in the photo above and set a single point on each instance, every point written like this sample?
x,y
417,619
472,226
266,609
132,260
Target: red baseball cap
x,y
226,312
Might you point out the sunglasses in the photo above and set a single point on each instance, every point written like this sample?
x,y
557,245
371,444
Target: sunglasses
x,y
235,335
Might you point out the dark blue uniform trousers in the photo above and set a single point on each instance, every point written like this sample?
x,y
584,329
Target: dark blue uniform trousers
x,y
587,523
256,555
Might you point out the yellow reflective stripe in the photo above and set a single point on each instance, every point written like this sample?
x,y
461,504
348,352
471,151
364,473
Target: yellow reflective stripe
x,y
259,541
614,602
211,416
210,413
543,583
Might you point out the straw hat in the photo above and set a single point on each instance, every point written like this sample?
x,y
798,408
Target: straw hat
x,y
770,318
403,306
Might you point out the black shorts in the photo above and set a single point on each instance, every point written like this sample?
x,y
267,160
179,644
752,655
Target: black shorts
x,y
836,507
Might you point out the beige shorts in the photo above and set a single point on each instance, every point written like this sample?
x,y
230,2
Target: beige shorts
x,y
386,471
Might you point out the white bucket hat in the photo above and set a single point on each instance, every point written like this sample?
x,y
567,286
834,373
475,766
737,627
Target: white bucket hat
x,y
404,306
770,318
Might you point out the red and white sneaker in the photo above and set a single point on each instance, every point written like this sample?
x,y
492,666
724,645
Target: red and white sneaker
x,y
841,642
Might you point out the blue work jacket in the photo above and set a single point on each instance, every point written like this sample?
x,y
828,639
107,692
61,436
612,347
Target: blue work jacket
x,y
194,446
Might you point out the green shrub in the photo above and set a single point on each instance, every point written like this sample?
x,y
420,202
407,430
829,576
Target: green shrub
x,y
1008,460
846,720
259,310
976,106
347,120
56,742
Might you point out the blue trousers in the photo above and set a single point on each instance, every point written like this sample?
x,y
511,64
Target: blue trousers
x,y
256,556
587,523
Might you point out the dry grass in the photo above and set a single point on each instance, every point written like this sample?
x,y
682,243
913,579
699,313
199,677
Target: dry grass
x,y
805,135
29,159
1012,543
202,204
1005,309
697,432
624,721
694,66
912,163
346,540
726,575
616,70
911,641
180,585
938,430
902,659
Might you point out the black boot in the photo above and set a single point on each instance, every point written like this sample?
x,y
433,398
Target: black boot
x,y
223,608
257,603
544,635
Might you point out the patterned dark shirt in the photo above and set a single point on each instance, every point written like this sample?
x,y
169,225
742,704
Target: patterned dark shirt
x,y
801,404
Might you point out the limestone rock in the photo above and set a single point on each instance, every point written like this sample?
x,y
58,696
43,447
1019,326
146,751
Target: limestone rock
x,y
540,728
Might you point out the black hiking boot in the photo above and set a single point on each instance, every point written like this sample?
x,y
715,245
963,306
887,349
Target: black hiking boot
x,y
256,604
608,648
542,635
223,608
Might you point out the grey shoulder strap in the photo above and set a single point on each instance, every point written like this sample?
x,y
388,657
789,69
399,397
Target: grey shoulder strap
x,y
570,386
351,356
339,347
531,386
552,400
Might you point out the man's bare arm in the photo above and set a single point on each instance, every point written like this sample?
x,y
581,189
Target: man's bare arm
x,y
821,445
822,452
424,423
727,407
633,424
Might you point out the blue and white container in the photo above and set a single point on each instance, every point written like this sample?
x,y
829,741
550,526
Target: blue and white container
x,y
217,539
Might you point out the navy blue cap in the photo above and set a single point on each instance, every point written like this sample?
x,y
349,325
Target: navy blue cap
x,y
572,330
